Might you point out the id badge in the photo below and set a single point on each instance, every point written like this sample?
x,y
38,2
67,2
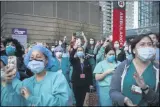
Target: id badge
x,y
82,75
135,89
60,71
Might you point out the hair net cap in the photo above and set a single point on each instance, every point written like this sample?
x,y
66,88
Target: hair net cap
x,y
58,48
42,49
4,59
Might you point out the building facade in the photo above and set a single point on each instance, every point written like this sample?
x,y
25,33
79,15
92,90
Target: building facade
x,y
148,13
107,16
50,20
131,15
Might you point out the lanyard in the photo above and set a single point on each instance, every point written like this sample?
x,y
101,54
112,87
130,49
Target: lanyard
x,y
82,66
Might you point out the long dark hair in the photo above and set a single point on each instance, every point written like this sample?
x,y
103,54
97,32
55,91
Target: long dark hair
x,y
19,48
89,45
108,48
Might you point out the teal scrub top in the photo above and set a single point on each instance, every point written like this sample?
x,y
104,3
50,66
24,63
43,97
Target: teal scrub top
x,y
53,90
64,66
100,55
91,60
149,78
9,97
102,67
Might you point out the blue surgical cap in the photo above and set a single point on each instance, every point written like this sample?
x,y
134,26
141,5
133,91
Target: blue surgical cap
x,y
42,49
58,48
4,59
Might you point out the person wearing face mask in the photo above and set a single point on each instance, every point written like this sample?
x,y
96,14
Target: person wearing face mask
x,y
45,88
65,48
82,74
52,48
8,96
91,52
14,48
127,49
60,43
56,43
103,73
101,52
155,43
61,64
120,53
136,82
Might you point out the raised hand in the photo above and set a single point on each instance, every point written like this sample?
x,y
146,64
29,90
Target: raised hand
x,y
98,44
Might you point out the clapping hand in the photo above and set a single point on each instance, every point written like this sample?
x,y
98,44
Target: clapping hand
x,y
25,92
139,80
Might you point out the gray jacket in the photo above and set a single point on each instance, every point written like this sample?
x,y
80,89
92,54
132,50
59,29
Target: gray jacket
x,y
152,98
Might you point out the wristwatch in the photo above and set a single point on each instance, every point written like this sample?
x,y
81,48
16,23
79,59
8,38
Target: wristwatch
x,y
143,90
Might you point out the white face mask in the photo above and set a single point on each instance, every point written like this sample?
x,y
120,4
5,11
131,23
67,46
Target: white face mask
x,y
91,42
116,46
58,54
52,49
60,43
145,54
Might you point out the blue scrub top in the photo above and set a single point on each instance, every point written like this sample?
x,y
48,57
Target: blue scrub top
x,y
102,67
149,77
53,90
9,97
64,66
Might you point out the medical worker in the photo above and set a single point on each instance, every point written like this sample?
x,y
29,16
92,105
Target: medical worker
x,y
14,48
91,52
61,64
44,88
8,96
120,53
103,74
127,49
82,74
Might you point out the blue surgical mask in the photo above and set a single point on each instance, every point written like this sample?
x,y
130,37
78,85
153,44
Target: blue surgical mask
x,y
80,54
10,50
111,58
36,66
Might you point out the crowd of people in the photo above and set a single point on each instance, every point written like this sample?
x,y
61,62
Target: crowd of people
x,y
62,74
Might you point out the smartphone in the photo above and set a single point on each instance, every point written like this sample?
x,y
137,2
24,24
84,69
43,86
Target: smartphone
x,y
12,60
